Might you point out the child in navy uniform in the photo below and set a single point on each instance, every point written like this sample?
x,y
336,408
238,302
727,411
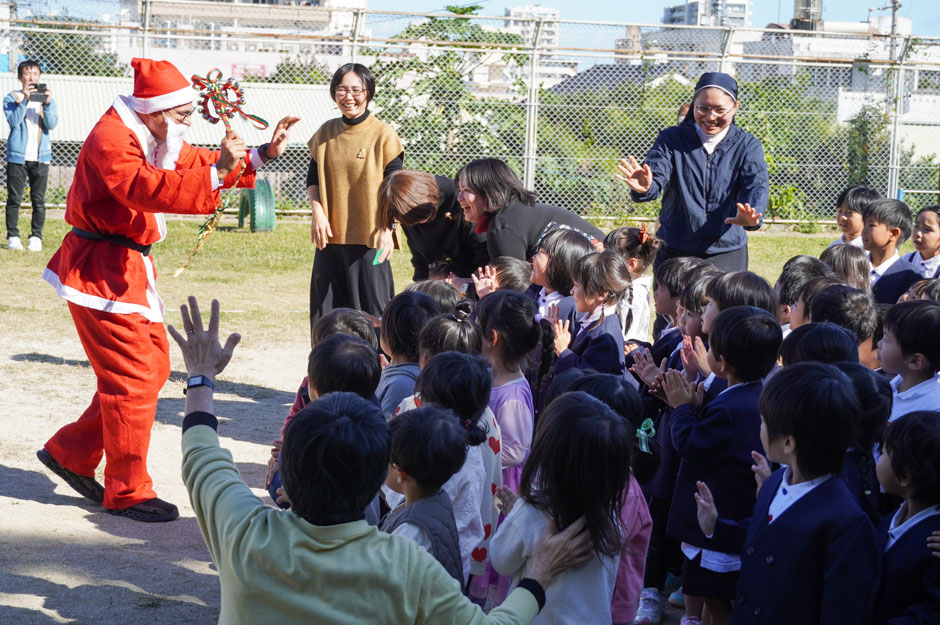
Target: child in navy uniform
x,y
909,467
551,272
715,445
910,348
888,224
809,553
926,240
402,320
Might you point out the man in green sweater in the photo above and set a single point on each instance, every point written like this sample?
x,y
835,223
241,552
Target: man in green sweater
x,y
320,562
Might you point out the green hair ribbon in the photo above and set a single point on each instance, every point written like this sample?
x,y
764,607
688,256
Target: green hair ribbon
x,y
644,433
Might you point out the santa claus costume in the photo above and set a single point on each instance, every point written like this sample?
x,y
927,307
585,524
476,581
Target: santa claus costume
x,y
124,181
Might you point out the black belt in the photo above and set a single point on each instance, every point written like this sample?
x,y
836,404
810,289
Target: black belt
x,y
112,238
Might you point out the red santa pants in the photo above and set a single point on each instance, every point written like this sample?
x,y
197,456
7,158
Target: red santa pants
x,y
130,356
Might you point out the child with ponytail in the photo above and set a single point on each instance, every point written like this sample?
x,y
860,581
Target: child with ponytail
x,y
638,249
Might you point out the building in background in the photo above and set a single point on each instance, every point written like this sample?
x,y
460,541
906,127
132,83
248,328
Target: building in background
x,y
534,20
709,13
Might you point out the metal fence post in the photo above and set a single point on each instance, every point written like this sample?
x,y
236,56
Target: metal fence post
x,y
531,135
145,45
357,27
896,111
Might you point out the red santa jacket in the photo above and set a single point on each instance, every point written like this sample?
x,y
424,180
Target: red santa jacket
x,y
117,190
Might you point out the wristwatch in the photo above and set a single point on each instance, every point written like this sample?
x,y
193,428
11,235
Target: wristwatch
x,y
198,380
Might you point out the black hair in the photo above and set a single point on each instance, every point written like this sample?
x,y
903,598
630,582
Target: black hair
x,y
879,334
913,442
343,362
852,309
364,74
670,273
513,274
932,291
605,273
914,325
748,338
24,65
848,263
562,382
935,209
455,332
624,400
402,320
821,342
633,243
564,247
495,182
696,284
345,321
579,466
441,292
796,272
428,444
334,458
460,383
512,316
816,404
893,214
857,198
742,288
812,288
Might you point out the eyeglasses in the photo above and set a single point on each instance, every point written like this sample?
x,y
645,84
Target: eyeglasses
x,y
705,110
180,116
355,91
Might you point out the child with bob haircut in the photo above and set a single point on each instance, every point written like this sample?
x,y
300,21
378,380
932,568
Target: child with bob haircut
x,y
402,320
910,348
551,285
601,280
926,240
849,209
426,447
796,272
822,342
854,310
638,249
440,291
809,554
799,311
737,288
888,224
849,263
579,467
715,442
909,467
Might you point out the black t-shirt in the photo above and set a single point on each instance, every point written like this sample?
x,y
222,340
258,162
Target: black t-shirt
x,y
517,229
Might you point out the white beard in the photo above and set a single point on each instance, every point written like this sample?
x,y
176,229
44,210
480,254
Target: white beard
x,y
169,152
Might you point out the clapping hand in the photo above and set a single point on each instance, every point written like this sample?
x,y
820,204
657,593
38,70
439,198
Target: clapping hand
x,y
561,328
640,179
645,369
694,357
505,499
678,391
705,512
761,469
484,281
747,216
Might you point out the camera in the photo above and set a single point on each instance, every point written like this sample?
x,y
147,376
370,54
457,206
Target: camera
x,y
40,94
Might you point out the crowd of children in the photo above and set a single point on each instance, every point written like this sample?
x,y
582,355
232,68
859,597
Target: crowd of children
x,y
771,456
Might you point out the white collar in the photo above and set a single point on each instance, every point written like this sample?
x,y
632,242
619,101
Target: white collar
x,y
548,298
896,530
148,143
927,267
738,385
596,314
669,328
710,142
927,386
880,270
788,494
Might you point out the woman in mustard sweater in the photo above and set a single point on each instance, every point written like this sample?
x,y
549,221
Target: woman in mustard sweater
x,y
349,157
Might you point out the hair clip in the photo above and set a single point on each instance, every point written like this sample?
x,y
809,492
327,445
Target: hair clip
x,y
644,433
643,236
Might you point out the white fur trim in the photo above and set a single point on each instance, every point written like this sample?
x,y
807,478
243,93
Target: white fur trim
x,y
163,102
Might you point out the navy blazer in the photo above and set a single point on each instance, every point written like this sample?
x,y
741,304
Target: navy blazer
x,y
910,258
567,310
895,282
600,348
817,564
910,583
715,445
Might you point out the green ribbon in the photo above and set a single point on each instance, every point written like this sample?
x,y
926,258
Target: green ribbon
x,y
645,432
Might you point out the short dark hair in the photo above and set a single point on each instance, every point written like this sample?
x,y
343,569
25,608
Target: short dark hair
x,y
932,291
495,182
402,320
913,442
812,288
455,332
748,338
875,399
25,65
334,458
852,309
564,247
857,198
513,274
796,272
345,321
364,74
849,263
893,214
915,325
441,292
512,316
561,383
670,273
633,243
408,196
696,283
815,403
821,342
428,444
343,362
742,288
460,383
605,273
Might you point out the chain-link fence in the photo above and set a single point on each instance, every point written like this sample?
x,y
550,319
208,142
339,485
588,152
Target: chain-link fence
x,y
561,101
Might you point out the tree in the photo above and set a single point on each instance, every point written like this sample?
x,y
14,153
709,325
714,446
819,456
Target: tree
x,y
301,69
75,53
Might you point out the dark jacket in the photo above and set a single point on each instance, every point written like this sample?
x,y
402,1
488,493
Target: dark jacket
x,y
517,229
600,348
701,190
910,580
816,564
895,282
447,238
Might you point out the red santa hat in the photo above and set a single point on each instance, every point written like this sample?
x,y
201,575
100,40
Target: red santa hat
x,y
158,86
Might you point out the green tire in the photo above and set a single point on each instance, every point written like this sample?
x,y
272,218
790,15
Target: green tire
x,y
258,205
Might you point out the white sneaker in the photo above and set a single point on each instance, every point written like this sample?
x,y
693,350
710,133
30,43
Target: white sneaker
x,y
34,245
14,243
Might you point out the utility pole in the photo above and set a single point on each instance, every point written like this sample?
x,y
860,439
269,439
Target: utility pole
x,y
896,106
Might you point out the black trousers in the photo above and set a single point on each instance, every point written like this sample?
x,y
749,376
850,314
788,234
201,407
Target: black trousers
x,y
344,277
38,176
735,260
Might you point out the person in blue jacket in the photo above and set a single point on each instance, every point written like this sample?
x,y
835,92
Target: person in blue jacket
x,y
712,178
